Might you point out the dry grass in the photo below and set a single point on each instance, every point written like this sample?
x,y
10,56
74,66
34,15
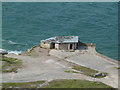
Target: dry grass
x,y
23,84
10,64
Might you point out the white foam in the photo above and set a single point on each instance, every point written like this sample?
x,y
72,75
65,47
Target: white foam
x,y
11,42
1,50
15,52
9,51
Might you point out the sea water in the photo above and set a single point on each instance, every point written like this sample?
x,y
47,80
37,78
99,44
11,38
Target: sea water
x,y
25,24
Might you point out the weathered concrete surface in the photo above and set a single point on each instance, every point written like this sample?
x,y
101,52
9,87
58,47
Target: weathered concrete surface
x,y
49,67
88,58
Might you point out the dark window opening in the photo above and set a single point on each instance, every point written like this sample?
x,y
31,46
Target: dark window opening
x,y
52,45
70,46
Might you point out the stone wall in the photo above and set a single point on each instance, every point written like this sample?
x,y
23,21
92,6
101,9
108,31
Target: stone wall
x,y
87,44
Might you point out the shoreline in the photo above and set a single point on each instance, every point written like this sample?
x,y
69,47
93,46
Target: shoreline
x,y
87,44
107,58
101,55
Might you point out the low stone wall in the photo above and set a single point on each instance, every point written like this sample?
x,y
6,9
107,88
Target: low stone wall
x,y
87,44
103,56
91,45
98,54
106,57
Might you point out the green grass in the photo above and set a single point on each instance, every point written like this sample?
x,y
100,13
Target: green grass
x,y
10,64
70,71
48,54
58,84
75,84
23,84
87,71
117,67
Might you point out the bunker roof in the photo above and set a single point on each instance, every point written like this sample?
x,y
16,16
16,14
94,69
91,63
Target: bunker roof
x,y
61,39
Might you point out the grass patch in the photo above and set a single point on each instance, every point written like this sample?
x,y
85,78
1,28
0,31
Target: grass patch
x,y
10,64
88,71
66,57
84,70
70,71
48,54
23,84
75,84
117,67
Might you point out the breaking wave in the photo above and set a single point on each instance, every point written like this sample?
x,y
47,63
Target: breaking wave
x,y
15,52
2,50
11,42
12,52
15,43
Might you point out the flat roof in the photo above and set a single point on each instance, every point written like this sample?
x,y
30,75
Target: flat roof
x,y
61,39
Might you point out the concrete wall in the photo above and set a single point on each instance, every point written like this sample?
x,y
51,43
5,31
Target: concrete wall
x,y
67,46
56,46
63,46
74,46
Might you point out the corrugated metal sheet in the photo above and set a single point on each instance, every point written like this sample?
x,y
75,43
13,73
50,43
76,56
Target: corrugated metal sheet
x,y
61,39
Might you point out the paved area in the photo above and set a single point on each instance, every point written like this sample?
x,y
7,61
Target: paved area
x,y
88,58
50,65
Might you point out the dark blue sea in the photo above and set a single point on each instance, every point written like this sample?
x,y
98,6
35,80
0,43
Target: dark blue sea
x,y
25,24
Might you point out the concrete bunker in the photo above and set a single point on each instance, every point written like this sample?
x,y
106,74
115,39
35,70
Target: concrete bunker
x,y
61,43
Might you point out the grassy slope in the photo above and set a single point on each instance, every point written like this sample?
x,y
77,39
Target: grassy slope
x,y
75,84
58,84
10,64
23,85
